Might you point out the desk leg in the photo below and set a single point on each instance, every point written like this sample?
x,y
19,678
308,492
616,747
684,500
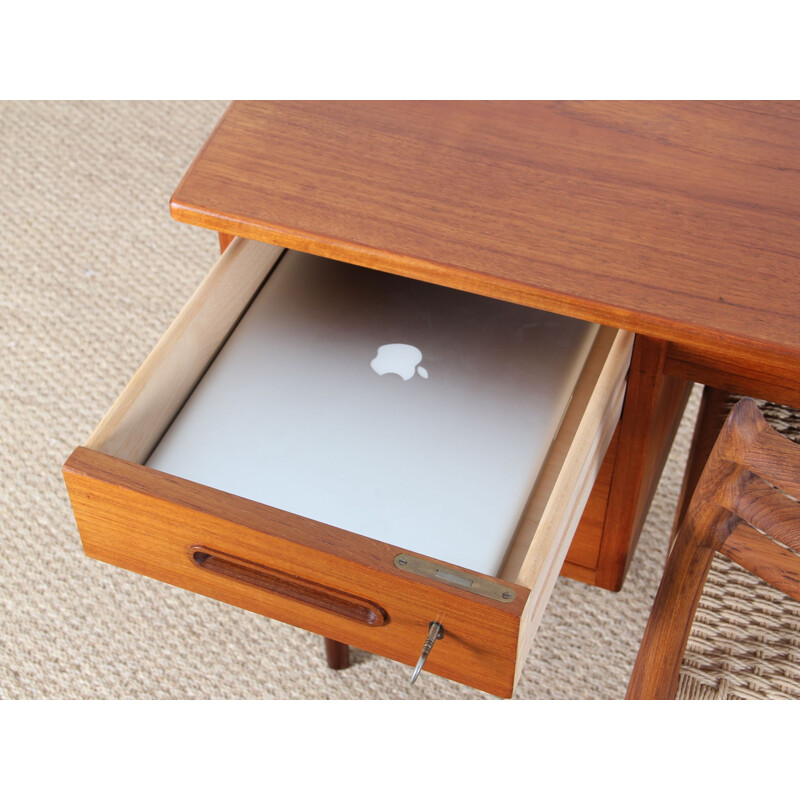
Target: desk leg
x,y
610,527
654,406
337,654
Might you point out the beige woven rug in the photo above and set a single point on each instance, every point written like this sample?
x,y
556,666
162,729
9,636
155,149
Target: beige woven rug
x,y
92,271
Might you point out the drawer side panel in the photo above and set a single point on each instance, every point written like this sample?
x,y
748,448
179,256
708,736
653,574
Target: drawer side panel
x,y
568,499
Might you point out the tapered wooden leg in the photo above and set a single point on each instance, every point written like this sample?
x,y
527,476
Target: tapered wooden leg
x,y
654,405
337,654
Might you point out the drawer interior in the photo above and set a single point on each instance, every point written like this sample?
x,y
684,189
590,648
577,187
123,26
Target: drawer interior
x,y
136,422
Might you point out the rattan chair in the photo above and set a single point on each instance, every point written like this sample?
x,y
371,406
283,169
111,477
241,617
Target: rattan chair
x,y
744,506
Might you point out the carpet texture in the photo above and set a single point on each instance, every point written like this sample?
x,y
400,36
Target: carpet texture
x,y
93,271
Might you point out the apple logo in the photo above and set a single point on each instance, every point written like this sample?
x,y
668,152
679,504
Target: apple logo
x,y
399,359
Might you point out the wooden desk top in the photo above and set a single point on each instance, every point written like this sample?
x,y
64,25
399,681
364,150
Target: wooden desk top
x,y
675,219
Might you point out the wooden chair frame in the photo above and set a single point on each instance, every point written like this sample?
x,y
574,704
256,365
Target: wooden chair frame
x,y
744,507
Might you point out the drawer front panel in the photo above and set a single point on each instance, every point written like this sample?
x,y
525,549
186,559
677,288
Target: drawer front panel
x,y
325,580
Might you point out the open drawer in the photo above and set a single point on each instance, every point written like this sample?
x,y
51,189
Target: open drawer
x,y
341,585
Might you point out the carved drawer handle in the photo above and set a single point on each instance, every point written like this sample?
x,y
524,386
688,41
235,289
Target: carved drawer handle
x,y
291,586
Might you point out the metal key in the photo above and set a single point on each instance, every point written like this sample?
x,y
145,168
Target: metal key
x,y
435,631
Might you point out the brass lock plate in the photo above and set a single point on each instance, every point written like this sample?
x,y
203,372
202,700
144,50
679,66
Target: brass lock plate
x,y
454,577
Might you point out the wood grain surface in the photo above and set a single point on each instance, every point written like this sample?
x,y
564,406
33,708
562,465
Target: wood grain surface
x,y
674,219
654,405
152,523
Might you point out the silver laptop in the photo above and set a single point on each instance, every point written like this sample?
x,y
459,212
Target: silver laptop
x,y
396,409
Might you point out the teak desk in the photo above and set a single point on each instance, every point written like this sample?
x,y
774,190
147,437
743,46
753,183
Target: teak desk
x,y
677,221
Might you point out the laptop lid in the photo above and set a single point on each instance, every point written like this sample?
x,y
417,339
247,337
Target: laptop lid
x,y
400,410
